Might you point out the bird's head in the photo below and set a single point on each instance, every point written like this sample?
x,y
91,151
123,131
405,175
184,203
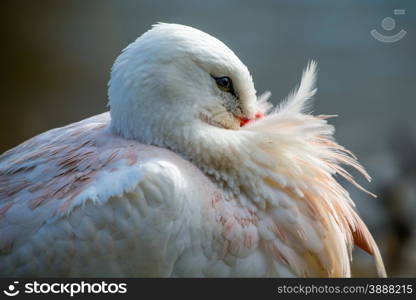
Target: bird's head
x,y
175,79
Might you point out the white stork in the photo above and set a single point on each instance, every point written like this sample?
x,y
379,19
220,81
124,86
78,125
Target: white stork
x,y
189,174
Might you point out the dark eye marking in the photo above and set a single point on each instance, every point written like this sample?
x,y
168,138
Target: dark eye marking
x,y
225,84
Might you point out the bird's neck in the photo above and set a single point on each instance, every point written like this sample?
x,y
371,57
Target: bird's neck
x,y
225,156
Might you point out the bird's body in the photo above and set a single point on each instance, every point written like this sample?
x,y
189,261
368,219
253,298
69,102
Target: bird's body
x,y
91,209
167,191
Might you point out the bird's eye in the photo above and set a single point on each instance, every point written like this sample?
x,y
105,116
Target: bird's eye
x,y
224,83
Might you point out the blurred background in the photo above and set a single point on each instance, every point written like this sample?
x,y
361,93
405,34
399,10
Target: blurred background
x,y
56,58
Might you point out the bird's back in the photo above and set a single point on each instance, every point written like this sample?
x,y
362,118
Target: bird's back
x,y
80,201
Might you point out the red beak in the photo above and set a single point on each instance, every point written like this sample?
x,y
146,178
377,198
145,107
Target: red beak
x,y
244,121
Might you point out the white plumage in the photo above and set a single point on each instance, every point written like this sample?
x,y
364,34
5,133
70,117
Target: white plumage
x,y
175,183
